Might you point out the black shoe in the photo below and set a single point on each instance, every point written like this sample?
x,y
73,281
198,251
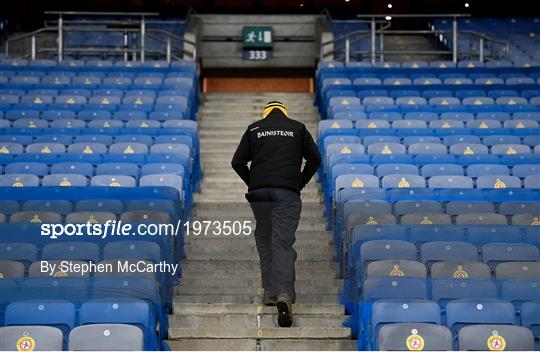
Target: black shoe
x,y
267,300
284,307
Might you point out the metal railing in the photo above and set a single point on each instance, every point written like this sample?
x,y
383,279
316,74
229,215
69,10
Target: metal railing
x,y
380,25
137,31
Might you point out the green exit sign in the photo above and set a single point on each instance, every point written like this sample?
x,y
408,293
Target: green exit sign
x,y
257,37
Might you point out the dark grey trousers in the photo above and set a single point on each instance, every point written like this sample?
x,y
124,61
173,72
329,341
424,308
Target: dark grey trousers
x,y
277,212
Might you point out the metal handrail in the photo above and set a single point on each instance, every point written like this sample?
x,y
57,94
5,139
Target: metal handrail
x,y
62,27
482,37
97,13
376,19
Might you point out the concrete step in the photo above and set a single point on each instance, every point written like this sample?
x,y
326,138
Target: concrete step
x,y
300,234
244,321
308,221
249,290
244,206
204,344
248,250
307,256
235,197
213,230
236,185
223,308
250,298
243,241
224,212
201,264
253,274
307,345
301,283
268,333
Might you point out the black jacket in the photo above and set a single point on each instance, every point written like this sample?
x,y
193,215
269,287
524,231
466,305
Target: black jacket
x,y
275,146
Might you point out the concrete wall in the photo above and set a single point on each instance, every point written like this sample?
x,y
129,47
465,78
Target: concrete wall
x,y
293,37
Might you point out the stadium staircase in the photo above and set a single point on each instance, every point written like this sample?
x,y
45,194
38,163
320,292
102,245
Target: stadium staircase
x,y
218,305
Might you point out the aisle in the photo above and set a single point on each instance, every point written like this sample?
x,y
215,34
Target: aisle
x,y
218,305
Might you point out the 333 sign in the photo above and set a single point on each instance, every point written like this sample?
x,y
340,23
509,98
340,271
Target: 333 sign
x,y
257,54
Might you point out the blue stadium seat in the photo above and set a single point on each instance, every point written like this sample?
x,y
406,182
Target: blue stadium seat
x,y
19,180
435,251
113,181
70,179
71,250
61,207
495,253
447,290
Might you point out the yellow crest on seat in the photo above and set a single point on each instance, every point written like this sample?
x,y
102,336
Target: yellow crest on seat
x,y
511,151
396,271
444,102
372,125
26,344
345,102
536,221
371,221
458,82
489,81
105,101
411,102
4,150
496,342
87,81
397,82
337,82
45,150
426,221
17,184
38,100
499,184
106,124
36,219
427,81
129,150
70,101
138,101
335,125
87,150
415,342
91,219
65,182
143,124
345,150
483,124
403,183
460,273
386,150
357,183
445,125
468,151
511,102
470,65
32,124
60,273
477,102
520,125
